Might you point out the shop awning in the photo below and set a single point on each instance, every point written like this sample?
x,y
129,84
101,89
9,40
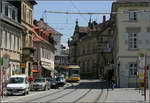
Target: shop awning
x,y
35,71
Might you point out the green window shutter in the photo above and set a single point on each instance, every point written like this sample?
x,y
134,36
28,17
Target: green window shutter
x,y
126,41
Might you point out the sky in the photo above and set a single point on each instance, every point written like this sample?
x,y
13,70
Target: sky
x,y
65,23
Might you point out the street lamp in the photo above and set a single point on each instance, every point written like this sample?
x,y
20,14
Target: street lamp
x,y
118,73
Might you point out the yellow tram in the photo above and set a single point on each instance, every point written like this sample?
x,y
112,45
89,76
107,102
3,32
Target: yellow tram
x,y
73,73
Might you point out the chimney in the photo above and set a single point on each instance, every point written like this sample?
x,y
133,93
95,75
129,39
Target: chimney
x,y
104,19
41,19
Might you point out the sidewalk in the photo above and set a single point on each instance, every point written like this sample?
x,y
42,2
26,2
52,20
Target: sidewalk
x,y
123,95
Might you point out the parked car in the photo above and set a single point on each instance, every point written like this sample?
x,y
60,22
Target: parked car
x,y
18,84
41,84
53,82
61,81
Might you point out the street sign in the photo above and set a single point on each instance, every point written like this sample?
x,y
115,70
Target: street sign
x,y
6,61
142,60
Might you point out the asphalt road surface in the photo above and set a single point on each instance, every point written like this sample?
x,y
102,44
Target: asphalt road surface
x,y
86,91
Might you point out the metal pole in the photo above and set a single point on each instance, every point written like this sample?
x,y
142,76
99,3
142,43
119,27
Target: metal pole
x,y
145,83
149,83
3,82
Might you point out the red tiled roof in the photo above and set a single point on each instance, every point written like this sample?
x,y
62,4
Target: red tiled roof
x,y
37,37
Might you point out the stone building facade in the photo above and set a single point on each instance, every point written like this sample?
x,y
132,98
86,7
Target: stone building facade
x,y
84,48
26,12
11,32
131,37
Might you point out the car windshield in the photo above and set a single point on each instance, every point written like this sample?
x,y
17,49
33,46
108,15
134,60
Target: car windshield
x,y
17,80
52,79
39,80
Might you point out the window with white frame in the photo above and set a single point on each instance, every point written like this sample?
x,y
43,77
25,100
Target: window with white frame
x,y
132,16
10,11
18,43
132,69
10,40
14,42
5,39
132,43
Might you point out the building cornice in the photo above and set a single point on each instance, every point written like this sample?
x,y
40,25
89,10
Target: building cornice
x,y
115,5
31,26
12,22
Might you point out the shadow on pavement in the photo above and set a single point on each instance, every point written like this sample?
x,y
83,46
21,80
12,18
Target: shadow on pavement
x,y
89,85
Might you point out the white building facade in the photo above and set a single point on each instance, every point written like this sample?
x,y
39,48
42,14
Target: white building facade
x,y
131,37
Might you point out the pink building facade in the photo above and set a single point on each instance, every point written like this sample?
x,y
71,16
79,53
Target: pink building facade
x,y
43,65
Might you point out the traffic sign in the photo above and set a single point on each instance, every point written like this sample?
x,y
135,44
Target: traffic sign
x,y
142,60
6,61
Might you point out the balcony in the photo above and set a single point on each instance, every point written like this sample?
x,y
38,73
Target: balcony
x,y
27,54
28,51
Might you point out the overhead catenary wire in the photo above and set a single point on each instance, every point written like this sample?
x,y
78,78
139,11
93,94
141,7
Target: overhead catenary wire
x,y
94,13
78,10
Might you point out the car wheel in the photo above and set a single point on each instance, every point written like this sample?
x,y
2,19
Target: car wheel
x,y
24,92
28,91
45,88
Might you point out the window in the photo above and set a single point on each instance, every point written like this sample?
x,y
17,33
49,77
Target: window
x,y
132,16
24,12
43,52
30,17
10,11
132,69
132,44
13,14
5,39
6,10
14,42
18,43
10,40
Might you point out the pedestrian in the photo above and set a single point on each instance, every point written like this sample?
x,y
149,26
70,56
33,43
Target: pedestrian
x,y
113,84
31,79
